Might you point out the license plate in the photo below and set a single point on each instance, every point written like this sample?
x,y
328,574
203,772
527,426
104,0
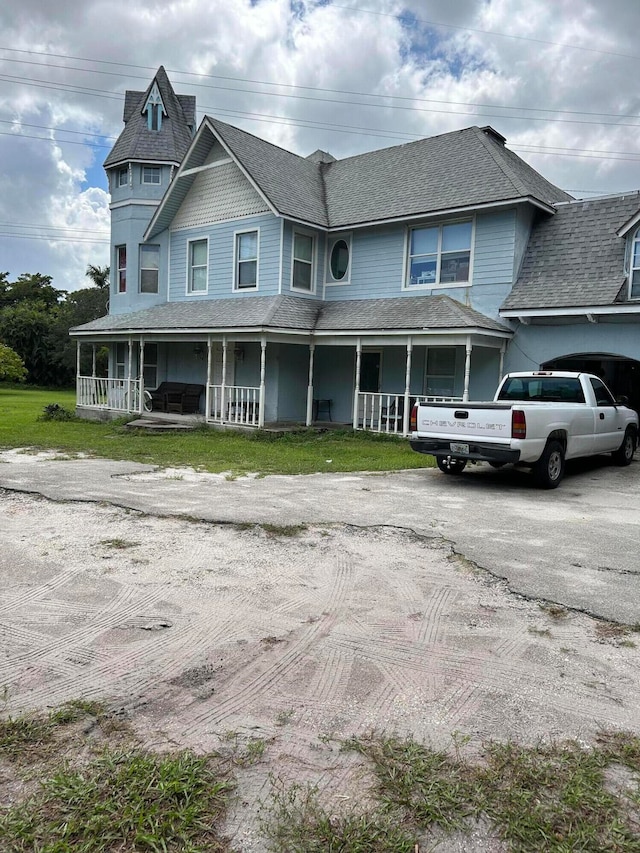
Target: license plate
x,y
459,448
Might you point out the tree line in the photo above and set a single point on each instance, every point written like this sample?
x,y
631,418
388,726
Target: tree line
x,y
35,319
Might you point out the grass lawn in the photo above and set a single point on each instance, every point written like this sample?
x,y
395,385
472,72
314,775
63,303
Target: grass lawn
x,y
304,452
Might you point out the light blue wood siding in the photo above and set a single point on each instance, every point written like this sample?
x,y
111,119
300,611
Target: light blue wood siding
x,y
221,257
535,344
128,225
378,258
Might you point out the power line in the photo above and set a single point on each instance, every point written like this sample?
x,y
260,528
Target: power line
x,y
564,45
236,79
53,239
54,228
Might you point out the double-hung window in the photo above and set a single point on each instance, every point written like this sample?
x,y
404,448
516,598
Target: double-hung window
x,y
149,268
151,174
303,266
121,263
122,177
634,277
440,255
197,273
246,262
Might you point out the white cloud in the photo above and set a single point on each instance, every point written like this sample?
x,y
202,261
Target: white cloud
x,y
397,48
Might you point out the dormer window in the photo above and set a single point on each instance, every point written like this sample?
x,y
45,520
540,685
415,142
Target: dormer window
x,y
634,271
154,108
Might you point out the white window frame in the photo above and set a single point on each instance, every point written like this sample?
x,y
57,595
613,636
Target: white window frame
x,y
634,272
157,170
120,270
437,284
141,249
190,289
330,281
236,260
124,172
314,250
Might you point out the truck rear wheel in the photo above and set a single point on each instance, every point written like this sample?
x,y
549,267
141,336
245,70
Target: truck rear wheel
x,y
450,465
549,469
624,454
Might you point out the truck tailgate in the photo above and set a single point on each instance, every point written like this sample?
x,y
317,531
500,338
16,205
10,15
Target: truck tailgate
x,y
485,421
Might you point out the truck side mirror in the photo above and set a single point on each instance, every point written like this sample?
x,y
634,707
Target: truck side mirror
x,y
622,400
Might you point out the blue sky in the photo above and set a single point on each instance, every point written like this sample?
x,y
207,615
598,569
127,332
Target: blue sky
x,y
556,77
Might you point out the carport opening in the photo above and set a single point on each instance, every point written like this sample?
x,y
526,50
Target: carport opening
x,y
622,375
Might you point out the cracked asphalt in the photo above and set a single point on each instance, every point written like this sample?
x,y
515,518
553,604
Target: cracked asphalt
x,y
577,546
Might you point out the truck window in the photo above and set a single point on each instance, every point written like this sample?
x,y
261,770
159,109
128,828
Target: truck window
x,y
603,396
551,389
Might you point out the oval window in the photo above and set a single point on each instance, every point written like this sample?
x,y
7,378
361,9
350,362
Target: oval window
x,y
339,259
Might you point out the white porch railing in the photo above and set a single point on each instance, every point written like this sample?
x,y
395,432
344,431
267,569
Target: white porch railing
x,y
386,412
234,404
118,395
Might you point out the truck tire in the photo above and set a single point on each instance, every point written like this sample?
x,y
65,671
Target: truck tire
x,y
624,454
548,471
449,465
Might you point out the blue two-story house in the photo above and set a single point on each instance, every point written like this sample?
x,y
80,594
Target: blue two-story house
x,y
295,289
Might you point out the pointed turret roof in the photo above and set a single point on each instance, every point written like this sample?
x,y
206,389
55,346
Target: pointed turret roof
x,y
167,145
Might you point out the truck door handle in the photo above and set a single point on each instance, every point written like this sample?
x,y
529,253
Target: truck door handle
x,y
601,416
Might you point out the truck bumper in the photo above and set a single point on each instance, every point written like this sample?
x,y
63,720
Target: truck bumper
x,y
477,451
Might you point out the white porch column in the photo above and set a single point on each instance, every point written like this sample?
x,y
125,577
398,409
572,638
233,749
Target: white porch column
x,y
141,389
207,388
407,388
309,421
263,366
356,393
93,360
78,381
467,370
223,387
129,375
501,368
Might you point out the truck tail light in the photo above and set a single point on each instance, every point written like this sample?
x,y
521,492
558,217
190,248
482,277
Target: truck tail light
x,y
518,424
413,420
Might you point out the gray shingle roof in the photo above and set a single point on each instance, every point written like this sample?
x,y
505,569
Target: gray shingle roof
x,y
292,184
460,169
574,258
167,145
299,313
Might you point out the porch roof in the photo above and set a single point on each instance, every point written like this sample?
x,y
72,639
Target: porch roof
x,y
296,313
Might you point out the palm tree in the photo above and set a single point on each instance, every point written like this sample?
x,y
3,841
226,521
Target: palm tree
x,y
99,276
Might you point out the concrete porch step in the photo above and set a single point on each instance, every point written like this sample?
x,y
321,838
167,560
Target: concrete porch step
x,y
159,426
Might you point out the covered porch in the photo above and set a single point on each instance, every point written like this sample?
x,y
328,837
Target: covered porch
x,y
284,360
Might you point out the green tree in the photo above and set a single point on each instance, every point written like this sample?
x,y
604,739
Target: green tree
x,y
35,288
99,276
28,328
12,368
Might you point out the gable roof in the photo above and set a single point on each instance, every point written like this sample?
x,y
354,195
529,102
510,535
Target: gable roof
x,y
576,257
458,170
167,145
298,314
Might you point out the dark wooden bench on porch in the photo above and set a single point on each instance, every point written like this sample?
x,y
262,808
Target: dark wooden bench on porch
x,y
182,398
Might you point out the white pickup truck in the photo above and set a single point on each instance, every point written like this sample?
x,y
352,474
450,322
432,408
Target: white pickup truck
x,y
536,419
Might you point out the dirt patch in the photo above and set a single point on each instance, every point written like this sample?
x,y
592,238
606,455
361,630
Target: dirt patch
x,y
205,632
